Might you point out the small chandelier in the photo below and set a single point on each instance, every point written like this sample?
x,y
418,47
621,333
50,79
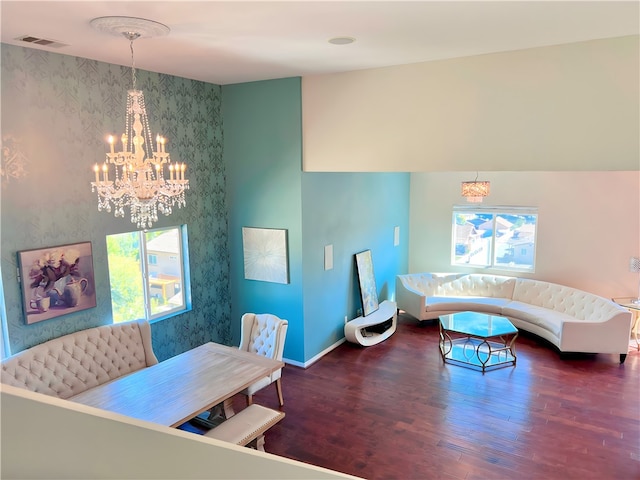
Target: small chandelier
x,y
475,191
139,179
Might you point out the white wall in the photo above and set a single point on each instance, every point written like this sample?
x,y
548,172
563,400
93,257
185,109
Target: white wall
x,y
588,224
559,108
45,438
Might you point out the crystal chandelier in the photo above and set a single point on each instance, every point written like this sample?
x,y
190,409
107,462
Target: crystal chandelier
x,y
474,191
135,177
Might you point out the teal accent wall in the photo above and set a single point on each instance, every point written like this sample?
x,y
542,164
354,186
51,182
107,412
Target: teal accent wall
x,y
56,113
353,212
267,188
263,155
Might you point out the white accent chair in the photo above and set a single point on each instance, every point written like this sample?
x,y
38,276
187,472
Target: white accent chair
x,y
264,334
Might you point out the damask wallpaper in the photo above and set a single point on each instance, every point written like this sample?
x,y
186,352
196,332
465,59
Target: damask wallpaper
x,y
56,113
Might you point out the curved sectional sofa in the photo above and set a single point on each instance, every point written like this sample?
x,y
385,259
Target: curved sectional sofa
x,y
571,319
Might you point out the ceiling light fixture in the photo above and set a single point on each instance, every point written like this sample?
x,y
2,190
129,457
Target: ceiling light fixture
x,y
138,181
341,40
474,191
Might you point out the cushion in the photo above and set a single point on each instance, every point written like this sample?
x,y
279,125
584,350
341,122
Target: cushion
x,y
579,305
479,285
427,283
246,425
543,317
475,304
264,335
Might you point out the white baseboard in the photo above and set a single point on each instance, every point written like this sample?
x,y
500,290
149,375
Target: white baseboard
x,y
313,360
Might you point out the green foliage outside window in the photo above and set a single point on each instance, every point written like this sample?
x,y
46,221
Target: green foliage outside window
x,y
125,277
146,274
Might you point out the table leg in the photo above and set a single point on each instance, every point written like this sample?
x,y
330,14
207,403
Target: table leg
x,y
216,415
512,347
223,410
634,329
486,353
227,408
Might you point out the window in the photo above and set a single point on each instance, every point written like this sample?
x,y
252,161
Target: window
x,y
494,237
5,349
146,273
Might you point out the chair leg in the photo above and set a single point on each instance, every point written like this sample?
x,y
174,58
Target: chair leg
x,y
249,400
279,390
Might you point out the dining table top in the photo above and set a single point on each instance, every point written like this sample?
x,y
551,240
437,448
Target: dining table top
x,y
181,387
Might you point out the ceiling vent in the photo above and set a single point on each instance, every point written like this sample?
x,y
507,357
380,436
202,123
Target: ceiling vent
x,y
41,41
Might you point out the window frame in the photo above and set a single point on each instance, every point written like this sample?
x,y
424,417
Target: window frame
x,y
495,211
143,258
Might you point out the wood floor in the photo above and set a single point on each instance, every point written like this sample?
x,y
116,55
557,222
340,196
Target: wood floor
x,y
395,411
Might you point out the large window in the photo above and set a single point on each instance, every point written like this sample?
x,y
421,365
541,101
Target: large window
x,y
494,237
147,274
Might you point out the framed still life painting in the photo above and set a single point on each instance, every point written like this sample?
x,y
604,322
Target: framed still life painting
x,y
56,281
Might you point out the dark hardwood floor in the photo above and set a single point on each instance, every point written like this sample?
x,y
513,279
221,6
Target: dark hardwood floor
x,y
395,411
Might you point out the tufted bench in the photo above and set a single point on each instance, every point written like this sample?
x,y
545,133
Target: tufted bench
x,y
571,319
247,427
69,365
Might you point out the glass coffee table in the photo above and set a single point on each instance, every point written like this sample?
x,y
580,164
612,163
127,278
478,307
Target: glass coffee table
x,y
477,340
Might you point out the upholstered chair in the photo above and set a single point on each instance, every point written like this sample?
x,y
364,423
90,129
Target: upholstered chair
x,y
264,334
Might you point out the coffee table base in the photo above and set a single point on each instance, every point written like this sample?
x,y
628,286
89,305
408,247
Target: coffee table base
x,y
478,353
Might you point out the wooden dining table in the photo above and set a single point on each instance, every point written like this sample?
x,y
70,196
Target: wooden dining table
x,y
182,387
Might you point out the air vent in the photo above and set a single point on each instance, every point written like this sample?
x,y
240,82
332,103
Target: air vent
x,y
41,41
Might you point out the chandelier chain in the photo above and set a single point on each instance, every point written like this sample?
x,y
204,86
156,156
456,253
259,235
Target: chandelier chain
x,y
133,61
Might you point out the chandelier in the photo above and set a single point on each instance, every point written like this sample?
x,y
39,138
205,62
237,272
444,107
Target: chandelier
x,y
137,176
475,191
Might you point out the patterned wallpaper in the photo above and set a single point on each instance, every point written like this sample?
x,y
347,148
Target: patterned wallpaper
x,y
56,113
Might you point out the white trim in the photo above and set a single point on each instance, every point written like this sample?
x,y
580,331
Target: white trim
x,y
518,210
313,360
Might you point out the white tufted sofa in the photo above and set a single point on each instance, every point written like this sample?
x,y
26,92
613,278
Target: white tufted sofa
x,y
69,365
571,319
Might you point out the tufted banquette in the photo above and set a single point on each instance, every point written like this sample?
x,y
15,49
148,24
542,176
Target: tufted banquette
x,y
572,320
69,365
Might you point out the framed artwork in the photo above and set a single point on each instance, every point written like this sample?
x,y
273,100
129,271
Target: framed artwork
x,y
56,281
265,254
367,282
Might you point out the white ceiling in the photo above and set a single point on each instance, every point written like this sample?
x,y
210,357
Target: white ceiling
x,y
241,41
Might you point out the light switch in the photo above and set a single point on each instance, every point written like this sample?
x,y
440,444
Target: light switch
x,y
328,257
396,236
